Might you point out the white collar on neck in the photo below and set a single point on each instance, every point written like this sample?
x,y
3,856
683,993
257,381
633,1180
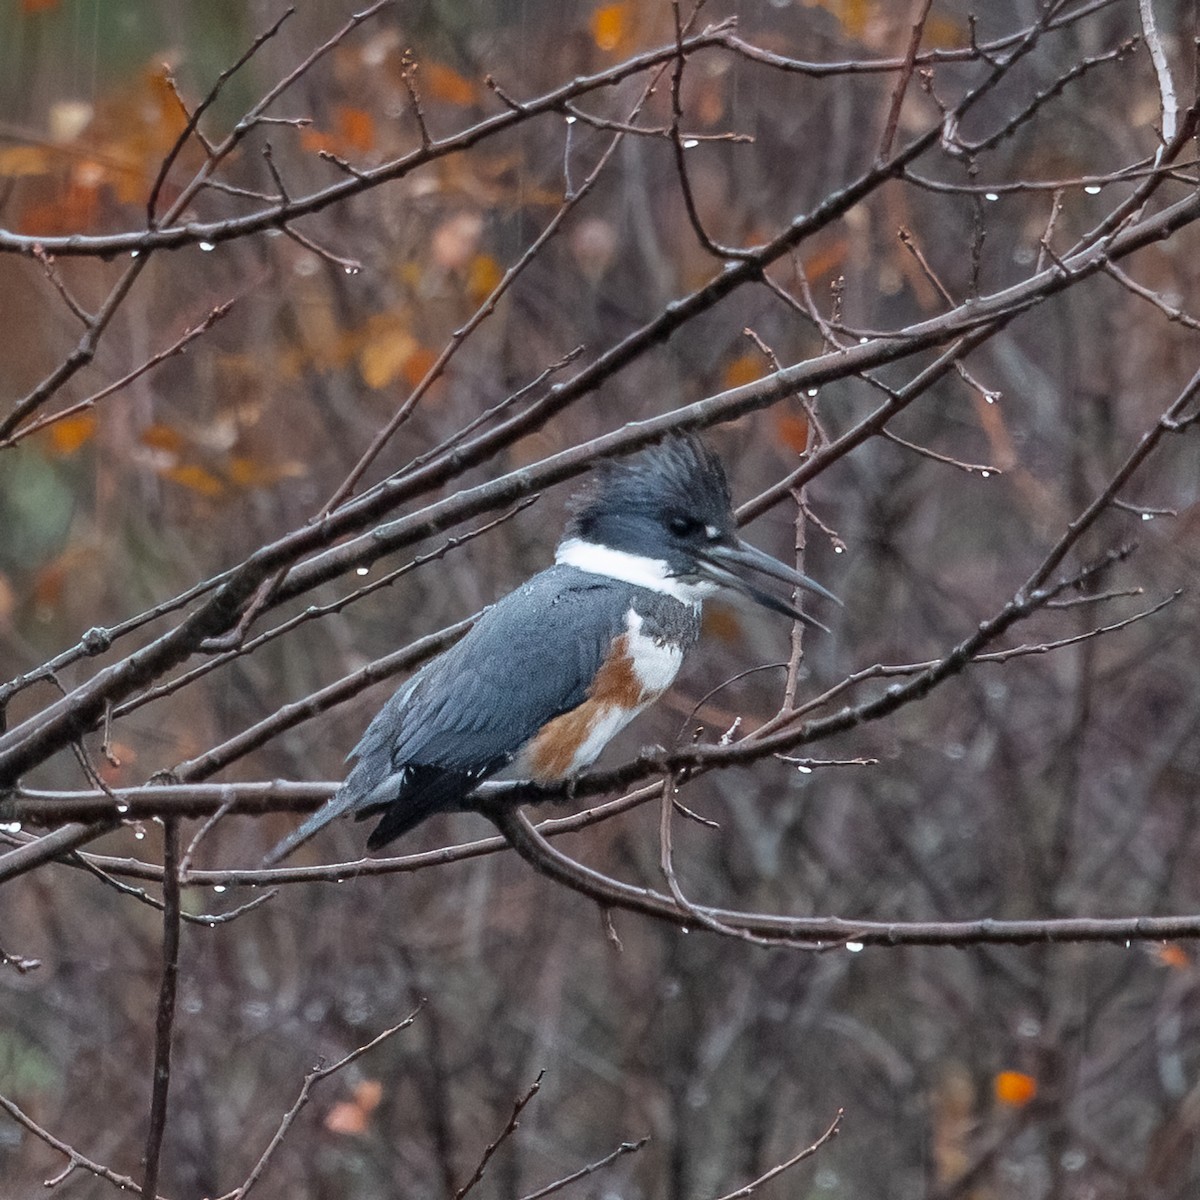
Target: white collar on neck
x,y
638,569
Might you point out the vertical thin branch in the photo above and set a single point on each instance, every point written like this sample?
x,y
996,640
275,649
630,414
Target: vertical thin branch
x,y
165,1019
901,88
792,681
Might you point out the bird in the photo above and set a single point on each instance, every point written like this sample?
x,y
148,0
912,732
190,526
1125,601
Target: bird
x,y
549,674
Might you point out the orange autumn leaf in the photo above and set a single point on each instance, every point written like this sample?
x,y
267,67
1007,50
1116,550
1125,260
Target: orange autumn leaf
x,y
8,599
792,430
854,15
746,368
16,161
827,260
1001,449
1172,954
456,240
123,756
162,437
356,127
33,6
944,33
484,274
48,584
710,100
350,1116
249,472
1014,1089
317,140
195,478
610,25
368,1094
144,120
353,133
419,363
386,348
71,209
440,82
67,435
346,1117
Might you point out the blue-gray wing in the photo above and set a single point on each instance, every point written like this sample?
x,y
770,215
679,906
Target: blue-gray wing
x,y
529,658
464,716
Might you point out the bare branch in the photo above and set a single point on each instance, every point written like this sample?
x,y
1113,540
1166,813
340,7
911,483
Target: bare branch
x,y
165,1019
74,1158
920,16
776,1171
583,1172
505,1134
310,1081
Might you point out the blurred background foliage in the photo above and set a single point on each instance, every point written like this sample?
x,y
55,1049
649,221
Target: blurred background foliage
x,y
1055,785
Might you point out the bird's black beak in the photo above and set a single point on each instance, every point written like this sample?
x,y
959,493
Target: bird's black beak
x,y
729,563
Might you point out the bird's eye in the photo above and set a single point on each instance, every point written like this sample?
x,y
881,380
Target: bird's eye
x,y
683,526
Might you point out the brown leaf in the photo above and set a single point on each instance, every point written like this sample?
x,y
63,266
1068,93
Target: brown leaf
x,y
746,368
419,364
1173,955
792,431
721,622
48,584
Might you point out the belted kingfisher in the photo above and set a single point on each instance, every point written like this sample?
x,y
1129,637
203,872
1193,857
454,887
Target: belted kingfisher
x,y
552,672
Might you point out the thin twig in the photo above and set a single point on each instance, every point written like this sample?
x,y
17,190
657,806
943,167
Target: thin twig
x,y
310,1081
84,317
511,274
176,347
193,120
750,1188
504,1135
590,1169
74,1158
901,87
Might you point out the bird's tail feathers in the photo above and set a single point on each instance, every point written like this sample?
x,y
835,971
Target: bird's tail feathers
x,y
405,797
340,802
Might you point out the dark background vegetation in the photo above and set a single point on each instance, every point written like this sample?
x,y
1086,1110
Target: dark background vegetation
x,y
1054,785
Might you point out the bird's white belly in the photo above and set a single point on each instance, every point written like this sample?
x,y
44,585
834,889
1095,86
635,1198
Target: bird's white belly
x,y
602,731
656,664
